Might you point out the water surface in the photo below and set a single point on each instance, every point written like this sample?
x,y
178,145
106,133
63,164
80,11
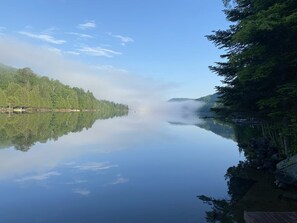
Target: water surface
x,y
124,169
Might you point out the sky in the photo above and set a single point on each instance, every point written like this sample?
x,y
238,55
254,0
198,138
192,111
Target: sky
x,y
127,51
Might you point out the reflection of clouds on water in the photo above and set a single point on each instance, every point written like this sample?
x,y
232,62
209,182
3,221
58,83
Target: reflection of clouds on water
x,y
39,177
78,178
82,192
94,166
76,182
105,136
120,180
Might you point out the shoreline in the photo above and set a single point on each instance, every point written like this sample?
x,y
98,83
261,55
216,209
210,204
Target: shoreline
x,y
41,110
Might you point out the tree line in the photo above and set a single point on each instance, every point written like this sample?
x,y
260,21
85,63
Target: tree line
x,y
23,88
260,61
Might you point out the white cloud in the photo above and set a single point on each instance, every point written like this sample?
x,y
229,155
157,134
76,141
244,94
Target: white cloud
x,y
82,192
109,68
98,51
124,39
72,53
80,35
87,25
94,166
40,177
43,37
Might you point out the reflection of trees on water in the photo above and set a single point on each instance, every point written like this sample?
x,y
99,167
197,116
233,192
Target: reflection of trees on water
x,y
251,184
24,130
218,127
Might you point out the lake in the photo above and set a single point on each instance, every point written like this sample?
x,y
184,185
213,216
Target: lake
x,y
136,168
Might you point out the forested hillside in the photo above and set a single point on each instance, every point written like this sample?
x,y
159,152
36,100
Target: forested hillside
x,y
209,103
23,88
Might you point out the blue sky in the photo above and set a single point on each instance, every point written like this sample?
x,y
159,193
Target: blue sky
x,y
157,40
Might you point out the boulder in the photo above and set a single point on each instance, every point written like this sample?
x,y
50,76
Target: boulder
x,y
286,171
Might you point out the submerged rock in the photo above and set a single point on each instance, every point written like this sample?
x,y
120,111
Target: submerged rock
x,y
286,171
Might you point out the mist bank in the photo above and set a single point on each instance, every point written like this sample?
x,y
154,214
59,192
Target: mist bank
x,y
105,81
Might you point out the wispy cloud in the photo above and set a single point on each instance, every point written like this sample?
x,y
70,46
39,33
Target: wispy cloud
x,y
80,35
82,192
43,37
61,52
55,50
94,166
87,25
72,53
50,30
99,51
124,39
39,177
109,68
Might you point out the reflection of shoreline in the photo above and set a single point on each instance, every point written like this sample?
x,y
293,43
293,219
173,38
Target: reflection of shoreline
x,y
252,184
25,129
44,110
210,124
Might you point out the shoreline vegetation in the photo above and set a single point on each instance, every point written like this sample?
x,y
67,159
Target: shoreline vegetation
x,y
259,72
21,90
259,98
37,110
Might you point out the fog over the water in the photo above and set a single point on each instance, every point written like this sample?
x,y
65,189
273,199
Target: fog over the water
x,y
145,96
150,111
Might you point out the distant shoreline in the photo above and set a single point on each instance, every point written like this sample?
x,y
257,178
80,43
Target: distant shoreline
x,y
41,110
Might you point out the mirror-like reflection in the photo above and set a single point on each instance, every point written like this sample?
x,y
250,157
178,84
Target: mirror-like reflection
x,y
126,169
136,168
23,130
255,184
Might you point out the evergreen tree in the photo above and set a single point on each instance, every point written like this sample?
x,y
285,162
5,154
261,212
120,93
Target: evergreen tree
x,y
260,64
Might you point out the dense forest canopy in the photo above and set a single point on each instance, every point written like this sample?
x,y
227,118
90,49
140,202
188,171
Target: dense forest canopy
x,y
260,63
23,88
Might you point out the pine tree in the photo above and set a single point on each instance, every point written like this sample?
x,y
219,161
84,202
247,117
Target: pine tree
x,y
261,58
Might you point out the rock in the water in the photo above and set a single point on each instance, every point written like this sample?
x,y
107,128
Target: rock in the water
x,y
286,171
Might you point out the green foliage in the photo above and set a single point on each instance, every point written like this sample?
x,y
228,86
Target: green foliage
x,y
261,58
23,131
209,103
23,88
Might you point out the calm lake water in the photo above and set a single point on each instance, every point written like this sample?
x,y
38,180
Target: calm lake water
x,y
124,169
